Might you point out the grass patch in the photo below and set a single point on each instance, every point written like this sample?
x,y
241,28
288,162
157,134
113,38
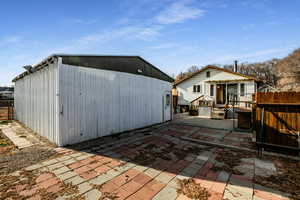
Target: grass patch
x,y
191,189
105,195
17,160
5,122
5,144
27,180
230,160
287,180
108,196
151,152
23,136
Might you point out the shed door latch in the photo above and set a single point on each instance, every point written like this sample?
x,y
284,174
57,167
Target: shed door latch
x,y
61,109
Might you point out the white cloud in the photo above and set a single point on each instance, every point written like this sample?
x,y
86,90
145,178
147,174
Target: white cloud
x,y
255,54
128,32
10,40
92,41
86,22
179,12
164,46
13,39
247,27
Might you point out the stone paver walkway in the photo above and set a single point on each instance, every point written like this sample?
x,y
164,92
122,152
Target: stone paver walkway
x,y
19,140
143,165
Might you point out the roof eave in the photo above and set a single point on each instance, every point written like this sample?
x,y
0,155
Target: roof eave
x,y
217,68
36,67
46,61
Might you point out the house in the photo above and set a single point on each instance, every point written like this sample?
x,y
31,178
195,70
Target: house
x,y
267,88
73,98
216,85
6,92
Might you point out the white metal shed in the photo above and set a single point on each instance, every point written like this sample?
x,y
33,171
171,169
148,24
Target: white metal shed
x,y
73,98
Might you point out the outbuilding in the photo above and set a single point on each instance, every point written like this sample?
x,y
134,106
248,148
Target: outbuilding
x,y
72,98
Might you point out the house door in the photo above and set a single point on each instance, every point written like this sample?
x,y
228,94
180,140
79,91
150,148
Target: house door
x,y
167,106
232,93
220,96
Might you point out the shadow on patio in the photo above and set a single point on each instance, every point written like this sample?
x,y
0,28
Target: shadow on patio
x,y
156,159
152,163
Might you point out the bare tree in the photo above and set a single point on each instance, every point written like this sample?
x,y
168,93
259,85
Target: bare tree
x,y
275,72
264,71
187,73
288,71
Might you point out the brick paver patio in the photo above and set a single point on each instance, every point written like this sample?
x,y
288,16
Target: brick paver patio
x,y
146,164
224,137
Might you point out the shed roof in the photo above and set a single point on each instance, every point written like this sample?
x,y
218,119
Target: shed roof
x,y
216,68
128,64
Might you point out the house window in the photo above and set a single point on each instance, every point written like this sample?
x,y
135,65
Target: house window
x,y
197,88
207,74
211,90
242,89
168,99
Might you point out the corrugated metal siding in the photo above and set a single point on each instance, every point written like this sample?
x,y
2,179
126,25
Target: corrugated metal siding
x,y
96,102
35,101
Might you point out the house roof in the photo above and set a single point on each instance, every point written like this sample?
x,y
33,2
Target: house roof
x,y
226,80
128,64
216,68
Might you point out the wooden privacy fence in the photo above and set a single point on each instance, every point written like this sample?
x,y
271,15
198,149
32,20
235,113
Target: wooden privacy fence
x,y
6,110
276,118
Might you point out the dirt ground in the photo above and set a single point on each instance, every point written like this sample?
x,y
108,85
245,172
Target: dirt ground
x,y
5,144
13,159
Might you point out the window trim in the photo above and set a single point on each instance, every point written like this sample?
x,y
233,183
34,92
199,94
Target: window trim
x,y
208,74
197,88
242,93
194,88
211,90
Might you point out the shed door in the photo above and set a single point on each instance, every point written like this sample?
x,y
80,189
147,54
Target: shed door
x,y
167,106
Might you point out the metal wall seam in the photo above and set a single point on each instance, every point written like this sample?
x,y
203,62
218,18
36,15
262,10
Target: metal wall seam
x,y
59,105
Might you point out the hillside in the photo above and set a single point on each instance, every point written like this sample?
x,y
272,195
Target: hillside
x,y
288,72
283,74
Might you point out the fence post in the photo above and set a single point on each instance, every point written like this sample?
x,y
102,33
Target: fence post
x,y
7,111
299,142
261,135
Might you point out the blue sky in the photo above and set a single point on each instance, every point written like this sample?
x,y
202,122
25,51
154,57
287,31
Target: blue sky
x,y
173,35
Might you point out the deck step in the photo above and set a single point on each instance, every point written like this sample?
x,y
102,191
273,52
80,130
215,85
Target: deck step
x,y
218,113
